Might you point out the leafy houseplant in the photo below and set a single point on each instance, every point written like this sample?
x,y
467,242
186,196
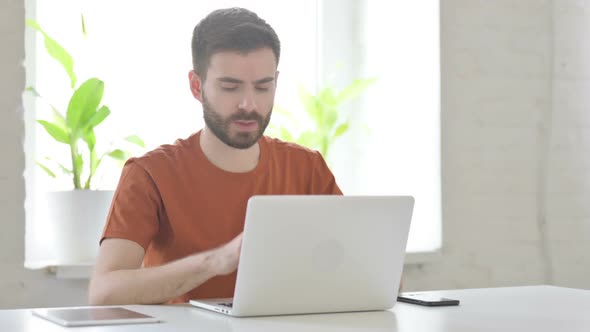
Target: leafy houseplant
x,y
83,114
77,216
324,110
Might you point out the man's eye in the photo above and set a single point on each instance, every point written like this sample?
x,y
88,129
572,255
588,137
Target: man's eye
x,y
229,88
260,88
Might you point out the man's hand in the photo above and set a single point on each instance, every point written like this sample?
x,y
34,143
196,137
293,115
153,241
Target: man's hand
x,y
119,279
228,256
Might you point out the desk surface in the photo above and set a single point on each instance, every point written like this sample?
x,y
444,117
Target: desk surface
x,y
532,308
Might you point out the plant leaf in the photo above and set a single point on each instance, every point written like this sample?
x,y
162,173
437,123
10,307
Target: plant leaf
x,y
309,139
327,98
46,169
90,139
83,25
285,135
84,103
78,164
135,140
33,91
97,117
64,169
354,89
310,104
119,154
94,162
58,119
314,109
55,131
328,121
341,130
56,51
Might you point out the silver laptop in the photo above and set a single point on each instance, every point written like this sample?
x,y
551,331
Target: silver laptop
x,y
319,254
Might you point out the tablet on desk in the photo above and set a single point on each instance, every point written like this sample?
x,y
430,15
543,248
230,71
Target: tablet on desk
x,y
94,316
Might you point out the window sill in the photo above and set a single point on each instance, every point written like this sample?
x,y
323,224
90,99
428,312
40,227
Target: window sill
x,y
84,270
62,271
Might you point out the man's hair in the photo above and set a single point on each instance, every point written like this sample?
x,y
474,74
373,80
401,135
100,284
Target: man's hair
x,y
231,29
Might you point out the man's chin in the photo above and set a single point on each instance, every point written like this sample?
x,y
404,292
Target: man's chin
x,y
244,142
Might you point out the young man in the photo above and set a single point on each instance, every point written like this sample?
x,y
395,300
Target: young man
x,y
174,229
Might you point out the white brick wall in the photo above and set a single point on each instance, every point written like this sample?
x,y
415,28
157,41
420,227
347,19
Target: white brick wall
x,y
496,84
516,145
516,151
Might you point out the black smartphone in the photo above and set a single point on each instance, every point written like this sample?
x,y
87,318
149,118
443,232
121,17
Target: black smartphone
x,y
427,300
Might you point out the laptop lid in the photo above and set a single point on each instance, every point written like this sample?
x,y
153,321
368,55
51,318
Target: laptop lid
x,y
313,254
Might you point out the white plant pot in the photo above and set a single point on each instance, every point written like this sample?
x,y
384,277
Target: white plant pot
x,y
78,218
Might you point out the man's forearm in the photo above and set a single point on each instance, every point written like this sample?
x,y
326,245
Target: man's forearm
x,y
154,284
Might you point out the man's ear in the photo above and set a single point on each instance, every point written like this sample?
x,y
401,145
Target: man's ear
x,y
196,85
276,78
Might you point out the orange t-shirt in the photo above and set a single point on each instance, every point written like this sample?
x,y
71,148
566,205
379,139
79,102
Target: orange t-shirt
x,y
174,202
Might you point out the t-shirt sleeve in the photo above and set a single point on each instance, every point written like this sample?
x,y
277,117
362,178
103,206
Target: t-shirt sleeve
x,y
322,179
135,210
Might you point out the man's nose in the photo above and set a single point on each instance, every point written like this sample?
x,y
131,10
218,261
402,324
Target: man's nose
x,y
248,102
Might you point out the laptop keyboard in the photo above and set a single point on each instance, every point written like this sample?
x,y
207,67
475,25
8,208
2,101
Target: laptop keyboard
x,y
226,304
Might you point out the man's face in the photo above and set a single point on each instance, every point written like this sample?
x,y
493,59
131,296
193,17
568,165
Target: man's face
x,y
238,95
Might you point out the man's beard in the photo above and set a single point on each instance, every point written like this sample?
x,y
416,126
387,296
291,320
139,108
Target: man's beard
x,y
221,127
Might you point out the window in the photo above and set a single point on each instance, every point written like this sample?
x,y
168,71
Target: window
x,y
141,50
398,43
403,110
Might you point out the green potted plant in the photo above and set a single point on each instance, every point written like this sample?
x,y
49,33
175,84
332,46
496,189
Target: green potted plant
x,y
324,109
77,215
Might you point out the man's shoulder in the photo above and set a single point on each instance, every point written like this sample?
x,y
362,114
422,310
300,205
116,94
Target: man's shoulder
x,y
306,166
280,148
166,154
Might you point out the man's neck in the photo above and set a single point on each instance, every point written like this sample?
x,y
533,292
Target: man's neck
x,y
227,158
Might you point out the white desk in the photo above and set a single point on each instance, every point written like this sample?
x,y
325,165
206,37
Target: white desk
x,y
534,308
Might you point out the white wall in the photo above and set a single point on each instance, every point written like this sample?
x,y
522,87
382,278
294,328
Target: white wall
x,y
515,145
516,152
568,166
